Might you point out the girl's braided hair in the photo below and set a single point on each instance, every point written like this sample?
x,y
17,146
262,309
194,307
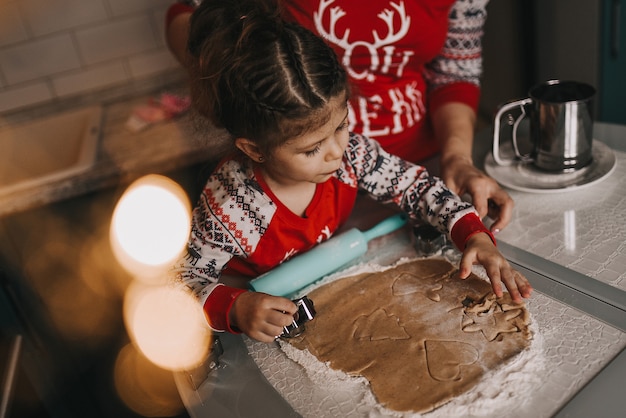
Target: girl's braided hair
x,y
258,76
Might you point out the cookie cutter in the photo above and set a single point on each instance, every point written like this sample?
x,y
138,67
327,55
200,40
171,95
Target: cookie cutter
x,y
306,312
427,240
201,373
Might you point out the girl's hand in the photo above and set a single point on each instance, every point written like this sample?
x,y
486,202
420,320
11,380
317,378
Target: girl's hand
x,y
481,250
261,316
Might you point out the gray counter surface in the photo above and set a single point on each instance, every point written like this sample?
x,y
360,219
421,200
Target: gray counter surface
x,y
579,307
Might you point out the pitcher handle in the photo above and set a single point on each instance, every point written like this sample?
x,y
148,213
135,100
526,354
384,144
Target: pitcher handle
x,y
496,130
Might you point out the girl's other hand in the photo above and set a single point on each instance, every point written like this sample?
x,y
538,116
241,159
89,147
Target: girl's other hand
x,y
261,316
481,250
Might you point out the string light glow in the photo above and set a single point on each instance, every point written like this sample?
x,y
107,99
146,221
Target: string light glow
x,y
150,225
168,326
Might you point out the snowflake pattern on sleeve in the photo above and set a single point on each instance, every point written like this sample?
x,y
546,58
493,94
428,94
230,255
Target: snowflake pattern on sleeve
x,y
230,218
461,57
390,179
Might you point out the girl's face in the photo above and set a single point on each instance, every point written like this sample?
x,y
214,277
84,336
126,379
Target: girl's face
x,y
314,156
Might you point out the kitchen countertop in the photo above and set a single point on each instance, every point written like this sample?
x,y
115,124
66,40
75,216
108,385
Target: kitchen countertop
x,y
572,245
124,155
579,305
583,230
579,352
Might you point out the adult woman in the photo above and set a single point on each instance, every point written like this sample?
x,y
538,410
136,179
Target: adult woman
x,y
414,66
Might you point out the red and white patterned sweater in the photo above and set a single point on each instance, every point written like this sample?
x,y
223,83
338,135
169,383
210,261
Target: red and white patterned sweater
x,y
240,227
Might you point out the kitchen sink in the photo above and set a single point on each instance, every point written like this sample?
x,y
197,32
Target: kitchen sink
x,y
48,149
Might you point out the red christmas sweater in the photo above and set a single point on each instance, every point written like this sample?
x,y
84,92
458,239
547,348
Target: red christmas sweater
x,y
240,227
405,58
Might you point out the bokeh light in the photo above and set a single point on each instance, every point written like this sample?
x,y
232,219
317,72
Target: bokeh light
x,y
150,226
145,388
168,325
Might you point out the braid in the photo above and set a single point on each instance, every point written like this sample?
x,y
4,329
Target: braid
x,y
300,83
258,76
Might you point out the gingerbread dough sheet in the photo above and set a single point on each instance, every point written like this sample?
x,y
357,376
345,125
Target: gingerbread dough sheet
x,y
416,332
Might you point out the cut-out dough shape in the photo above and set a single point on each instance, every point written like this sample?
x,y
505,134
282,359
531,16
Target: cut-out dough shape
x,y
359,318
445,359
493,322
379,326
433,294
406,284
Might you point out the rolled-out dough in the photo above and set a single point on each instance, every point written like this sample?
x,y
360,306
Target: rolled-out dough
x,y
418,333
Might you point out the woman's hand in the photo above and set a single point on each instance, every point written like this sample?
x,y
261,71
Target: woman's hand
x,y
454,128
461,176
261,316
479,249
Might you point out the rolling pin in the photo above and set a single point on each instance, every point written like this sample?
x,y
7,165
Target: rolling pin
x,y
304,269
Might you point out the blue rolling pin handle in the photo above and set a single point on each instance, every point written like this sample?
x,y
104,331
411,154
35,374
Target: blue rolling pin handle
x,y
304,269
327,257
386,226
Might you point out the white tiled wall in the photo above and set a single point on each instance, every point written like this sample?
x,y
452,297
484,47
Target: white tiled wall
x,y
56,49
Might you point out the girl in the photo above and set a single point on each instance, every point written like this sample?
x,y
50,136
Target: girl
x,y
282,94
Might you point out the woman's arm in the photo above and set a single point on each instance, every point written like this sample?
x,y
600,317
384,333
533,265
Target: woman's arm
x,y
453,124
454,84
